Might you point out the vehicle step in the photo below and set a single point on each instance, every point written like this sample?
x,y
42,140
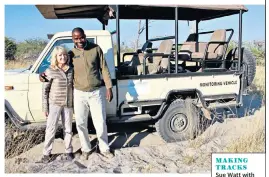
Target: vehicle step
x,y
222,105
132,118
220,97
219,105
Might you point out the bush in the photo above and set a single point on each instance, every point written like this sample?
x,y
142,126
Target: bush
x,y
10,49
124,48
257,48
30,49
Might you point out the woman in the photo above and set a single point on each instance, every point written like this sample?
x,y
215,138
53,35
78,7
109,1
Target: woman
x,y
58,100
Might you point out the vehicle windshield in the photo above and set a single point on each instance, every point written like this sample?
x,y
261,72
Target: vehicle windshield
x,y
67,43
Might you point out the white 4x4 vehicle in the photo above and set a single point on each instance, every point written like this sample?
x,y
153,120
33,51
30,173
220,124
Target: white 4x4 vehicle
x,y
175,99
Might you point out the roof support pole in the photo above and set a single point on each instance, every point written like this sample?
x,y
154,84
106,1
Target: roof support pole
x,y
118,34
176,39
104,27
196,36
147,29
240,40
240,96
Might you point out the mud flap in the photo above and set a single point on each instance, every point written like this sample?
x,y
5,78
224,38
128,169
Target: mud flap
x,y
206,113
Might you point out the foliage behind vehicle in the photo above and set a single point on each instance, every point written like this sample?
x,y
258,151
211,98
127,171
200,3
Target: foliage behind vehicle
x,y
10,48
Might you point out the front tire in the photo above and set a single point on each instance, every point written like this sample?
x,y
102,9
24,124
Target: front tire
x,y
180,122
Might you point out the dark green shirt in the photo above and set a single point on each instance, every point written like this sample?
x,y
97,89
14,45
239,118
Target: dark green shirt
x,y
89,64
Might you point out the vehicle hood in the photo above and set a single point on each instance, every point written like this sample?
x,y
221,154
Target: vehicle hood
x,y
16,71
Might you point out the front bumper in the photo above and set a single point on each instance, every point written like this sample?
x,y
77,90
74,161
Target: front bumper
x,y
14,117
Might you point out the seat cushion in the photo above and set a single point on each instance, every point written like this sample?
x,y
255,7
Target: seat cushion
x,y
151,68
209,55
166,48
191,46
218,35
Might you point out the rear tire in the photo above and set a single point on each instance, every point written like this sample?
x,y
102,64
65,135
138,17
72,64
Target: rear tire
x,y
180,122
248,59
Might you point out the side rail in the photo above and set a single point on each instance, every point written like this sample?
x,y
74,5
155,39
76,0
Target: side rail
x,y
155,55
206,50
208,32
160,39
128,54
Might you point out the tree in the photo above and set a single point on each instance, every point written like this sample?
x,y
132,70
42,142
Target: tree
x,y
141,28
30,49
10,49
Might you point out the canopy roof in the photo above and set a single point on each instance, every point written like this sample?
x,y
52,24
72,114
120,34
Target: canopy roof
x,y
156,12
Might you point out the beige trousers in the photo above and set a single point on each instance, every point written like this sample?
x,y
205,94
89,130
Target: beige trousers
x,y
52,125
95,103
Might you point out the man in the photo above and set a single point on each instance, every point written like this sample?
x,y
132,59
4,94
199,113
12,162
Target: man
x,y
89,64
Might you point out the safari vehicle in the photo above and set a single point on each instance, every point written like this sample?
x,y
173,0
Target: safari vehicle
x,y
156,85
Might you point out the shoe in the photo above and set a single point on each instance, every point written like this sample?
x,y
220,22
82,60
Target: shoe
x,y
107,154
45,159
85,155
70,156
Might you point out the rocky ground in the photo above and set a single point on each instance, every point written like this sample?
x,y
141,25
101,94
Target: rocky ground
x,y
142,151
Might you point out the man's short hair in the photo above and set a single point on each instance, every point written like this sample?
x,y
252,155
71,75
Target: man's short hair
x,y
78,29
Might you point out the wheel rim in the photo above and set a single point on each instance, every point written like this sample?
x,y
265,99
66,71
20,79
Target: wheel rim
x,y
178,122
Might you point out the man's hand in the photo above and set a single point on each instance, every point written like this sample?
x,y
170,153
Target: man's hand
x,y
109,94
43,77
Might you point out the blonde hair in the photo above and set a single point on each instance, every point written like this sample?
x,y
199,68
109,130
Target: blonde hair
x,y
53,60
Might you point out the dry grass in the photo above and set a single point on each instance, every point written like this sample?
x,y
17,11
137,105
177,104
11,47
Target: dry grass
x,y
16,64
147,168
259,80
250,143
253,140
17,142
16,166
198,142
188,160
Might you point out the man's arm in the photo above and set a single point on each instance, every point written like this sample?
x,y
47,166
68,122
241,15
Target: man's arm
x,y
106,75
43,77
71,55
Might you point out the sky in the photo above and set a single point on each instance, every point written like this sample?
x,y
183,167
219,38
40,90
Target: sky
x,y
25,21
